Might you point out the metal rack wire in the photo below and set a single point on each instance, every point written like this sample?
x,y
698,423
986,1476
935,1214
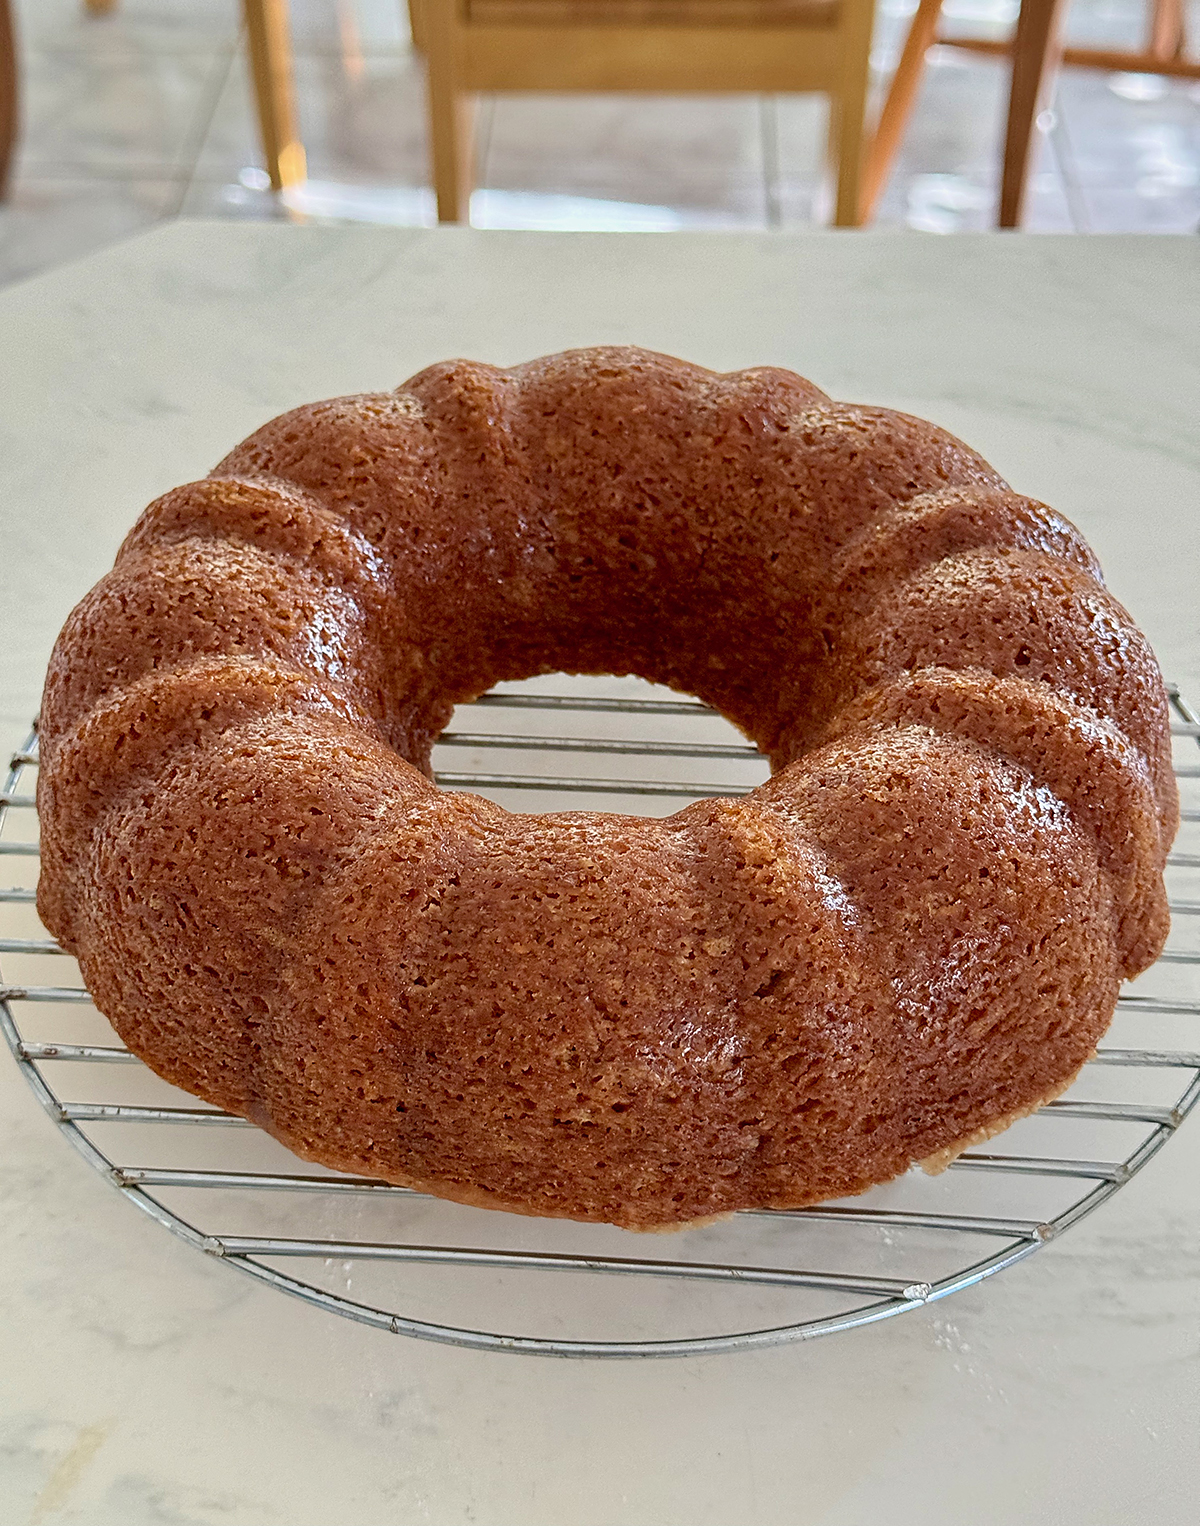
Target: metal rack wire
x,y
229,1191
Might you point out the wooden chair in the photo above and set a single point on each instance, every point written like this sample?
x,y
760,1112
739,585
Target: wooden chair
x,y
765,46
1036,50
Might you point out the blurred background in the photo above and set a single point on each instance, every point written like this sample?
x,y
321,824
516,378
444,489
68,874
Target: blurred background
x,y
148,112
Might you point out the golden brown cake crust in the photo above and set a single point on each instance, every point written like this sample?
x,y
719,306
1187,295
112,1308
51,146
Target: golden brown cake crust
x,y
915,930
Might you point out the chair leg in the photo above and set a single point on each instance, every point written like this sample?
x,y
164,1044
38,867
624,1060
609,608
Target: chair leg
x,y
1167,29
416,25
1036,53
452,131
8,95
451,115
271,62
847,112
898,107
99,7
845,152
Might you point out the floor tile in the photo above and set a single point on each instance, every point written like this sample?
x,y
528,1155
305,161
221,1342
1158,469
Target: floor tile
x,y
413,206
116,115
979,18
230,199
1112,210
604,212
943,177
1093,23
184,25
46,222
947,203
1107,23
892,20
801,123
717,132
685,203
692,152
957,127
338,201
359,120
350,26
138,26
801,203
1118,142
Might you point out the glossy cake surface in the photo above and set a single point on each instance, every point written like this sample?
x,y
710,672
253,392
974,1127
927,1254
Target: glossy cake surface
x,y
911,934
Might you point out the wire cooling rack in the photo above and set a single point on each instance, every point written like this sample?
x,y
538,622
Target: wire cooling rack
x,y
414,1265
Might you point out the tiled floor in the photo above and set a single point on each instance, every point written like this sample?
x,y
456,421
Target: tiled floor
x,y
146,113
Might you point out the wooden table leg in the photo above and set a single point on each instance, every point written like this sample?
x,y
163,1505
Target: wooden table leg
x,y
271,62
901,98
8,94
1037,51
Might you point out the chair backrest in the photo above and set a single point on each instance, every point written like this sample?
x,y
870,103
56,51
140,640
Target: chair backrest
x,y
658,46
763,46
653,13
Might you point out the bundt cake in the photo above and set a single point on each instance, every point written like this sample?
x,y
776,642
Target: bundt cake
x,y
912,934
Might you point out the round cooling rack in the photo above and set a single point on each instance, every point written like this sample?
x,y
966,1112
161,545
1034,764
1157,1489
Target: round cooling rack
x,y
415,1265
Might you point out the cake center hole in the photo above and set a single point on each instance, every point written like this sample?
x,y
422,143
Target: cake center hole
x,y
564,743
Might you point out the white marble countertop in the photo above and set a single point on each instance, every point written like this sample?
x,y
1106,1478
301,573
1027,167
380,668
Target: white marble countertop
x,y
140,1383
